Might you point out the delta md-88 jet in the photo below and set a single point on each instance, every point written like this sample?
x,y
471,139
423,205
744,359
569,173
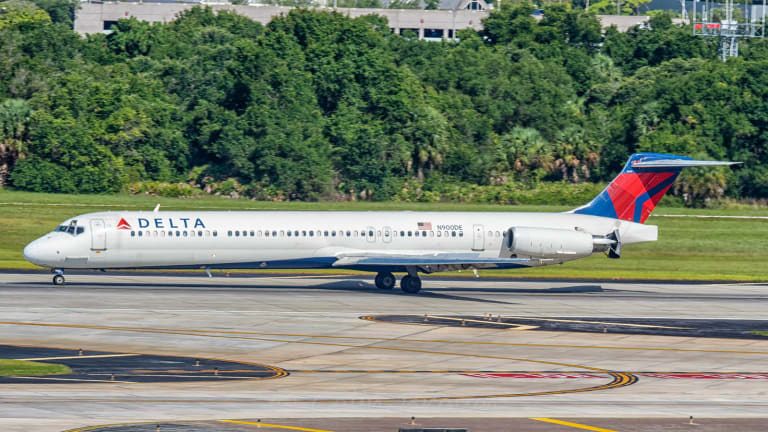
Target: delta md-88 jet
x,y
381,242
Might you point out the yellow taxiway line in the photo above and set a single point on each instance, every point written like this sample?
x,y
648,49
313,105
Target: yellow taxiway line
x,y
259,424
571,424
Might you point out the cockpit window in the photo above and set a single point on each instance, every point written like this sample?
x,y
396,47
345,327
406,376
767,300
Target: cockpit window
x,y
71,228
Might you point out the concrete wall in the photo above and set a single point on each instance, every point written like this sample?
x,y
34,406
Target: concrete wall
x,y
90,17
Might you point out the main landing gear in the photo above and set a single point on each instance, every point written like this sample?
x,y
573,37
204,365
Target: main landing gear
x,y
410,284
385,280
58,277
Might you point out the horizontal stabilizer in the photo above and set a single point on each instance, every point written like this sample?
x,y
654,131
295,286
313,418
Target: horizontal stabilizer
x,y
679,163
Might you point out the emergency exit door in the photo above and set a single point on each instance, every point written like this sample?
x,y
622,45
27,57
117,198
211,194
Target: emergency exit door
x,y
478,238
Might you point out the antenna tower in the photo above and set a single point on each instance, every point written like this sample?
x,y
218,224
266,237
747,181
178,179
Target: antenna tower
x,y
714,19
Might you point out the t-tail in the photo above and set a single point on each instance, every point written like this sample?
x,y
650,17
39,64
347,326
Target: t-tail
x,y
639,187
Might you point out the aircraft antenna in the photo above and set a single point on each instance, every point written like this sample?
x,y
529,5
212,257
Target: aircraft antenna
x,y
728,24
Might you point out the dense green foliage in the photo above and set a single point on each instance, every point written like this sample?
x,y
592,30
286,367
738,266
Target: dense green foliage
x,y
316,105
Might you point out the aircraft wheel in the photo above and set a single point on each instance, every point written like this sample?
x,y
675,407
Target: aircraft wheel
x,y
58,280
385,280
410,284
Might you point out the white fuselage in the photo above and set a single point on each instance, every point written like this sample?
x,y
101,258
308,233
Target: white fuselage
x,y
277,239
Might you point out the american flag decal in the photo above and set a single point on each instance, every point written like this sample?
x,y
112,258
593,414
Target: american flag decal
x,y
425,225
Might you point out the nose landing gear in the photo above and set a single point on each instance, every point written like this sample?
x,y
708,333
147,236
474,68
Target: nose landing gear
x,y
58,277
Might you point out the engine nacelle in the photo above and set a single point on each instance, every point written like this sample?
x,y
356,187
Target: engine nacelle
x,y
549,242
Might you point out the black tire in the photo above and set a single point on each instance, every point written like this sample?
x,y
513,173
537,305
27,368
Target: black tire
x,y
410,284
385,280
58,280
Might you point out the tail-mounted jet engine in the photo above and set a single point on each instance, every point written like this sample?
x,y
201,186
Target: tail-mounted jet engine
x,y
560,243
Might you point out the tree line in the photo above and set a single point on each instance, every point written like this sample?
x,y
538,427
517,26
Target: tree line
x,y
316,105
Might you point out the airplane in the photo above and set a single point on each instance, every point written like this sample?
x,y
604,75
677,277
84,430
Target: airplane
x,y
384,242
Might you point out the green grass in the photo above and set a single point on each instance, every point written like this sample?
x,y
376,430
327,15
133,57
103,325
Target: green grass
x,y
688,248
29,368
759,332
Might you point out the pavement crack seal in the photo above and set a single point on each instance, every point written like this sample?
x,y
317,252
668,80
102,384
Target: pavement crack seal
x,y
620,379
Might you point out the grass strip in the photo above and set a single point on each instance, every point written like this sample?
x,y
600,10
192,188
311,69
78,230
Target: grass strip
x,y
30,368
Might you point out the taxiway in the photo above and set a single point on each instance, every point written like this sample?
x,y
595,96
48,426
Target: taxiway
x,y
558,350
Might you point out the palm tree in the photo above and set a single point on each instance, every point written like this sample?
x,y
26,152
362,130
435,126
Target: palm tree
x,y
14,116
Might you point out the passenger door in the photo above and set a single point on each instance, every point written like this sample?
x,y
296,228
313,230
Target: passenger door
x,y
478,238
98,235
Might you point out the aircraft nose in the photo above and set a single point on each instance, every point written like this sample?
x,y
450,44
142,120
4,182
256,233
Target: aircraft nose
x,y
36,252
32,252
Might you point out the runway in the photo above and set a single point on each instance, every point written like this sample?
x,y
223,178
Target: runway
x,y
468,348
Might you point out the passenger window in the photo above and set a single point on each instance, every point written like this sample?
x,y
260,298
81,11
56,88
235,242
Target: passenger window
x,y
362,233
191,233
274,233
439,233
303,233
402,233
312,233
162,234
229,233
207,233
453,233
282,233
289,233
185,233
325,233
133,233
378,233
258,233
237,233
154,233
333,233
215,233
461,233
431,233
349,233
423,233
410,234
490,233
141,234
498,234
178,233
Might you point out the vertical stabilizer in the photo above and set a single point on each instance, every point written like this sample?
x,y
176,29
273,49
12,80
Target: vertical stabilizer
x,y
639,187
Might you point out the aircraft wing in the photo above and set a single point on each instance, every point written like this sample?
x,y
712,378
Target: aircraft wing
x,y
385,259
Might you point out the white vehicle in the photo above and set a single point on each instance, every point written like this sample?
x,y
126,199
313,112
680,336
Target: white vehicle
x,y
382,242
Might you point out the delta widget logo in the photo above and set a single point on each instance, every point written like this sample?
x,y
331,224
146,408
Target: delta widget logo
x,y
123,225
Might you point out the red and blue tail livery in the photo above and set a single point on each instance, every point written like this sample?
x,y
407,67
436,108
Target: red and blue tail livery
x,y
639,187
